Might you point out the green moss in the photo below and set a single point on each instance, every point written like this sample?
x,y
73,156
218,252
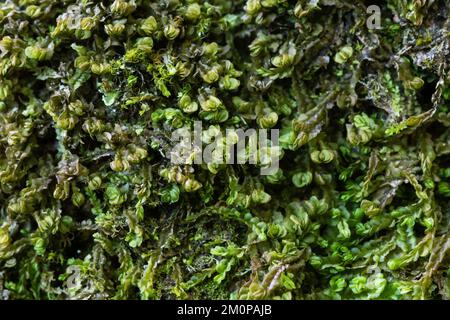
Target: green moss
x,y
92,207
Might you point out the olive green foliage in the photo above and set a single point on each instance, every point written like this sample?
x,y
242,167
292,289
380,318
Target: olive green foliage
x,y
92,208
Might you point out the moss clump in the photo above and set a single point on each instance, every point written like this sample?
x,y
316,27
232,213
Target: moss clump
x,y
93,207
